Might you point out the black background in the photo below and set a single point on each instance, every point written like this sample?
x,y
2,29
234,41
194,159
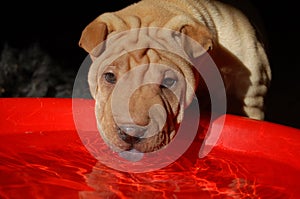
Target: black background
x,y
57,26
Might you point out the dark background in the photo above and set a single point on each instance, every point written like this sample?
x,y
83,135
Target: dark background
x,y
56,27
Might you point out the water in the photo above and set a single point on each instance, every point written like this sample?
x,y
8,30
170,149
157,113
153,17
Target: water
x,y
57,165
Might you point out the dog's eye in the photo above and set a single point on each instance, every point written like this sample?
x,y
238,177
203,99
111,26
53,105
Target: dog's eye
x,y
168,82
110,78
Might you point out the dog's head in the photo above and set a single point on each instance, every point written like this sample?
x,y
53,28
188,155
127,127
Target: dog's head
x,y
140,84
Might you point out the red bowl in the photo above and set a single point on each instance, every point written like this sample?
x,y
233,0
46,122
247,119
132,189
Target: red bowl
x,y
43,156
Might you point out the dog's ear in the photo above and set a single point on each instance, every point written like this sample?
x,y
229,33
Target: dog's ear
x,y
195,37
92,36
199,34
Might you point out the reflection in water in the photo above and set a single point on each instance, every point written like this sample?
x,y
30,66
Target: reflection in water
x,y
172,182
57,165
214,176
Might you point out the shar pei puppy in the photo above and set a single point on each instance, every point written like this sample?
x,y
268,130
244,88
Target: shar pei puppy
x,y
143,74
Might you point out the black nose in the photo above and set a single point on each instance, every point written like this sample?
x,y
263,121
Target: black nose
x,y
131,134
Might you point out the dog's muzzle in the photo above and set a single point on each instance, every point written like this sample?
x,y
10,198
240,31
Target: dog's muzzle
x,y
131,134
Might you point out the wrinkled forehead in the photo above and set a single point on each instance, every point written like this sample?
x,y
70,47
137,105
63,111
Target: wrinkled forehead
x,y
149,59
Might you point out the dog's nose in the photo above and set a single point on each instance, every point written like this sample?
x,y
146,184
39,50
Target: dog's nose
x,y
131,134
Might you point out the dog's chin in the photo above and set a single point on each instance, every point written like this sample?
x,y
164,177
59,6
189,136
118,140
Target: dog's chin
x,y
132,155
145,145
135,152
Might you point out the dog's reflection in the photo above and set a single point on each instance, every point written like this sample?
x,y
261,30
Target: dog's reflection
x,y
209,177
169,182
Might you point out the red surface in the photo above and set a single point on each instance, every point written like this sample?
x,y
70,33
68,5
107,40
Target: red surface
x,y
38,142
35,114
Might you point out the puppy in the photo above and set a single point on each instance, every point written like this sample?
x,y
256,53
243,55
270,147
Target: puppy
x,y
142,81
